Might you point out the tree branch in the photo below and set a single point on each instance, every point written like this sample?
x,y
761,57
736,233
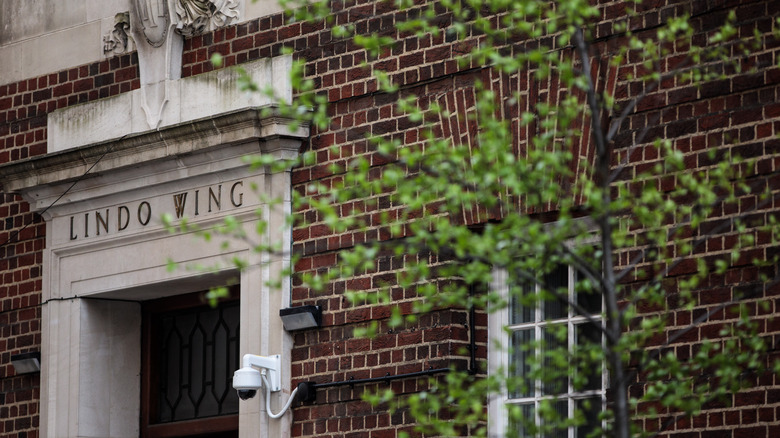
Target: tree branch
x,y
637,141
615,124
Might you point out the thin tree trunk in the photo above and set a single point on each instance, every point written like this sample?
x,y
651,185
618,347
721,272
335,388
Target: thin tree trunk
x,y
622,427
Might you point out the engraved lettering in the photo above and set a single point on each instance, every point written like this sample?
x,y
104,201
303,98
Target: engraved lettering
x,y
144,206
217,198
100,220
240,195
179,200
72,236
121,226
123,215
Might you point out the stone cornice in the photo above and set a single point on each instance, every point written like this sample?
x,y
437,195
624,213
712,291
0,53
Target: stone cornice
x,y
167,144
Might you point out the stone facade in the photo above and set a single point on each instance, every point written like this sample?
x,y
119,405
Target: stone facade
x,y
41,262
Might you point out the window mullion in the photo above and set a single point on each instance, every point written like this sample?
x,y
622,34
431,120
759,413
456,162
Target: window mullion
x,y
537,351
572,340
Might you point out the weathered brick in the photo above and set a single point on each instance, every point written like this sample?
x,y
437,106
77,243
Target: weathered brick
x,y
694,122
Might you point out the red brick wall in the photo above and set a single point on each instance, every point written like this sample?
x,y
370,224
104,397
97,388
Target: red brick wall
x,y
736,114
333,353
20,312
739,113
23,109
25,104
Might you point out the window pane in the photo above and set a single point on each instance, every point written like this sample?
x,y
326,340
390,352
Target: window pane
x,y
590,408
519,364
561,408
557,281
588,299
517,425
555,377
588,335
518,313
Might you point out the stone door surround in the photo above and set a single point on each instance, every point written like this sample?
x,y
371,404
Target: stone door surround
x,y
106,251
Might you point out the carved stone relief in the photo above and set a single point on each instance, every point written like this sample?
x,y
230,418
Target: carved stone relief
x,y
198,16
159,55
159,39
153,19
118,40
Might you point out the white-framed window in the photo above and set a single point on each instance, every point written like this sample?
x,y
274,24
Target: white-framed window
x,y
519,331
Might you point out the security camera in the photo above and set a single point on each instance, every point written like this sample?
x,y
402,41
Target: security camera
x,y
249,378
247,381
259,371
246,394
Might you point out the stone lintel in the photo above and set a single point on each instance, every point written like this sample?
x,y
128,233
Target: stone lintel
x,y
201,136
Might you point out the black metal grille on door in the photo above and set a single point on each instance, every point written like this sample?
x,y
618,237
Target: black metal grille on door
x,y
197,352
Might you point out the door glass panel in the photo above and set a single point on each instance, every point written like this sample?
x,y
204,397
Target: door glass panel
x,y
197,350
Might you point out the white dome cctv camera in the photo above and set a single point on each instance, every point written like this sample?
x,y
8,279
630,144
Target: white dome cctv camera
x,y
249,378
247,381
259,371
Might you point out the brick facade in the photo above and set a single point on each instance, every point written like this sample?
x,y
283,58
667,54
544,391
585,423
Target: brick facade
x,y
738,114
23,109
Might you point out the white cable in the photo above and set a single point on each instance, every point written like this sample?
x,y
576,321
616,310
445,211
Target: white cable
x,y
268,399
